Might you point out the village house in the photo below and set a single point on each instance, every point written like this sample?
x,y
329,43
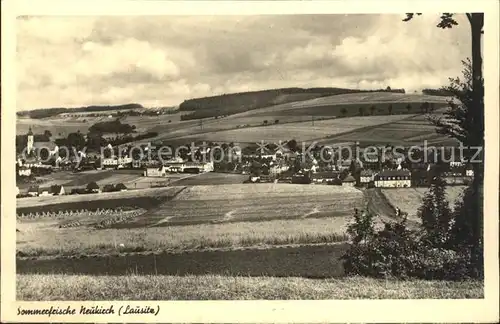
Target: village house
x,y
302,177
42,192
455,178
54,190
202,167
57,190
125,161
286,176
266,178
24,171
366,177
30,162
324,176
33,191
393,179
349,181
277,168
109,163
155,172
469,171
454,164
93,188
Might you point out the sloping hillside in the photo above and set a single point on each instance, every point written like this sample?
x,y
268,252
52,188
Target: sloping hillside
x,y
228,104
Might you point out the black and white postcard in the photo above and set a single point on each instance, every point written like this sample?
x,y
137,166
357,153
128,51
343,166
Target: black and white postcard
x,y
250,161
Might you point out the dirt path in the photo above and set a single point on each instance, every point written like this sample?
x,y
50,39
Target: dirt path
x,y
378,204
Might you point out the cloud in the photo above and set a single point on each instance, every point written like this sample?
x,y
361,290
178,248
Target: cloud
x,y
165,60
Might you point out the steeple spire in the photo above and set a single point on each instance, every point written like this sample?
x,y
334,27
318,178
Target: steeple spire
x,y
30,132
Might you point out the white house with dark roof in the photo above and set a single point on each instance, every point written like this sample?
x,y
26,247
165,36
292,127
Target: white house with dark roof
x,y
24,171
366,176
155,172
393,179
325,176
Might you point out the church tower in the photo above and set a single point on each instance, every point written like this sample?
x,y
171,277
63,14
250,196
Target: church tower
x,y
31,140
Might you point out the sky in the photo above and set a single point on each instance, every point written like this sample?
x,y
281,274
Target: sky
x,y
164,60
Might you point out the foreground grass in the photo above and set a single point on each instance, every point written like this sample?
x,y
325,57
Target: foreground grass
x,y
37,240
207,287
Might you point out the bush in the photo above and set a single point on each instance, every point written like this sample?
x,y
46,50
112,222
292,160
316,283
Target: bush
x,y
396,251
108,188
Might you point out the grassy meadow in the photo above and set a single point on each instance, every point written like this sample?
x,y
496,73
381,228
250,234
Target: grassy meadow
x,y
217,287
410,199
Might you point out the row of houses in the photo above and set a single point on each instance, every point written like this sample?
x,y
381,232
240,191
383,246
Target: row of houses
x,y
58,190
37,191
178,166
383,179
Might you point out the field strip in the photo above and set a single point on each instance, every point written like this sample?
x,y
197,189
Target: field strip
x,y
315,210
332,137
158,252
186,177
229,215
165,220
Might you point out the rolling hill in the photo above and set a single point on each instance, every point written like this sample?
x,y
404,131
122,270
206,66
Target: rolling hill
x,y
374,117
229,104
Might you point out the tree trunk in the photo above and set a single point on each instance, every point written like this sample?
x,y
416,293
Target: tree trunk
x,y
476,22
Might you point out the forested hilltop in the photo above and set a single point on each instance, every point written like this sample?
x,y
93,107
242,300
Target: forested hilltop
x,y
228,104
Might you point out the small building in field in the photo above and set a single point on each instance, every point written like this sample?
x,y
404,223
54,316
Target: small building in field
x,y
393,179
57,190
155,172
93,187
43,192
121,187
33,191
349,181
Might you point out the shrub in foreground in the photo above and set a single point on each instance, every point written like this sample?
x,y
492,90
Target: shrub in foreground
x,y
396,251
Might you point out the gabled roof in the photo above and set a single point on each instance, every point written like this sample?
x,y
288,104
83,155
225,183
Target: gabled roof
x,y
56,188
40,190
325,174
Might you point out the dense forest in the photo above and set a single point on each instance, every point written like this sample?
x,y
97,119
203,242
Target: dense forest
x,y
437,92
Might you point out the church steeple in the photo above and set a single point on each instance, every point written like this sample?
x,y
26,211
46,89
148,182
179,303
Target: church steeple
x,y
31,141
